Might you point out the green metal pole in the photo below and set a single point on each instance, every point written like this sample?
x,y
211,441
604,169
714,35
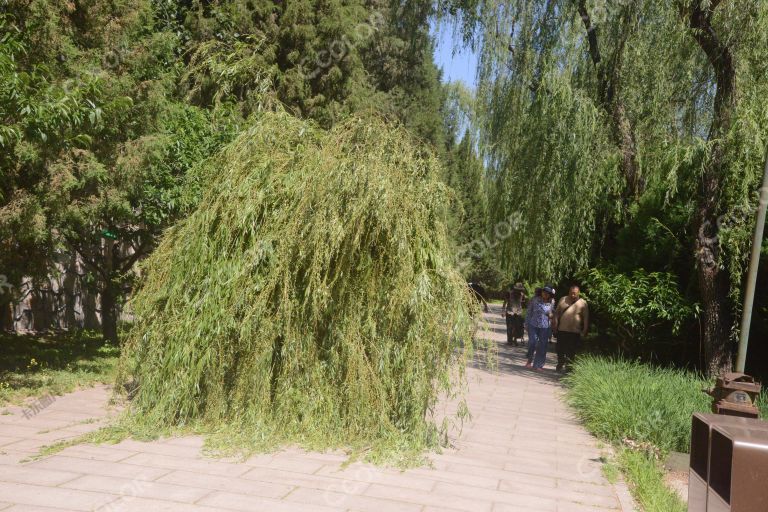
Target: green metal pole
x,y
754,262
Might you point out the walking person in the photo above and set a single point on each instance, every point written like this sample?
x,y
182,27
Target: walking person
x,y
571,323
529,327
512,310
540,313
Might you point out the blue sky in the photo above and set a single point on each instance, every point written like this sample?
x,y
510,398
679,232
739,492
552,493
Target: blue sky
x,y
460,66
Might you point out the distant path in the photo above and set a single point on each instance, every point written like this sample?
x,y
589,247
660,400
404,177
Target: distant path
x,y
523,452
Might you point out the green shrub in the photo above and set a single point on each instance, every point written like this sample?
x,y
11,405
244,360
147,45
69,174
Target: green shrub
x,y
619,399
637,308
311,298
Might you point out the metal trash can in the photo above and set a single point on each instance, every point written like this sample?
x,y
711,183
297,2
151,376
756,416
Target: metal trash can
x,y
738,470
701,431
734,394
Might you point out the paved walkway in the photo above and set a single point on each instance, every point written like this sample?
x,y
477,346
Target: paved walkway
x,y
522,452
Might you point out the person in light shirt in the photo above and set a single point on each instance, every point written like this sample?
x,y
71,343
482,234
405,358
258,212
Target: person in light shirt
x,y
540,313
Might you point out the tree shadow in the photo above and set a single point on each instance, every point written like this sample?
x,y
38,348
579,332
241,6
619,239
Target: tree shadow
x,y
29,358
511,359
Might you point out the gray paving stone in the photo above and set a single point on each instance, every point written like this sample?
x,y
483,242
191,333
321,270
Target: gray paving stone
x,y
440,509
98,467
296,465
6,440
478,503
138,488
298,479
585,487
233,501
338,499
36,508
228,484
568,506
97,452
133,504
506,507
533,502
371,474
199,465
33,445
18,431
46,496
441,474
25,475
560,494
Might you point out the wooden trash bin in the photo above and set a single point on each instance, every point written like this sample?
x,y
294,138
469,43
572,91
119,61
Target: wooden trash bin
x,y
738,470
698,475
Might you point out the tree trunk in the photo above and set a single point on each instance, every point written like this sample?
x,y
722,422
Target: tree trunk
x,y
68,290
6,316
714,282
714,287
624,137
109,313
110,292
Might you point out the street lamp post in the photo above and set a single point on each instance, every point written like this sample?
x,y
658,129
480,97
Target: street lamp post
x,y
754,261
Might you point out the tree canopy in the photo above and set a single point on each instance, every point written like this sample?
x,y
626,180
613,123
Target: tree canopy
x,y
108,108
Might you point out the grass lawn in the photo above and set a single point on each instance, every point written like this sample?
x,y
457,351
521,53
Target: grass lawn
x,y
34,366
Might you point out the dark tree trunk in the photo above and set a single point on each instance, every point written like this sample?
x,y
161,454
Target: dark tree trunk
x,y
109,314
111,261
41,308
714,282
110,292
68,290
6,316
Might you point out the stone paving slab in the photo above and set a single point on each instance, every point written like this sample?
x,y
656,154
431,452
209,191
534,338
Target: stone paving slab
x,y
523,450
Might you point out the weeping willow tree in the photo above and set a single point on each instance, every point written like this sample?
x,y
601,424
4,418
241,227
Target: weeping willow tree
x,y
542,136
549,172
310,298
600,108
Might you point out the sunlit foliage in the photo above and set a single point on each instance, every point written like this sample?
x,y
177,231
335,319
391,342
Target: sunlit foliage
x,y
310,298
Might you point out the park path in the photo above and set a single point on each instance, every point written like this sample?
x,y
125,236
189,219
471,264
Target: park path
x,y
522,452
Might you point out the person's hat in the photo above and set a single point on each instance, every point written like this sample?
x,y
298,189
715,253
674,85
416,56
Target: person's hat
x,y
549,290
519,287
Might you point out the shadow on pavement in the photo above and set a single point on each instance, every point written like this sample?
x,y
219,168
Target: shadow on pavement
x,y
511,359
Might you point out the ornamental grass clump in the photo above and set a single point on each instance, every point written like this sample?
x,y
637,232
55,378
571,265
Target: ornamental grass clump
x,y
636,403
310,298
